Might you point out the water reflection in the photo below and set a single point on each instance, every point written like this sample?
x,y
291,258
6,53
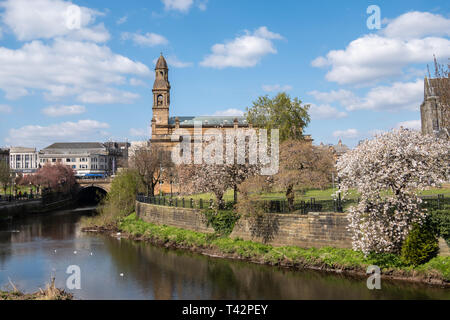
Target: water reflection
x,y
36,248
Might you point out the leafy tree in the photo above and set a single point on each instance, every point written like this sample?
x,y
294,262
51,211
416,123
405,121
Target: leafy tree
x,y
5,175
124,188
389,171
303,165
281,112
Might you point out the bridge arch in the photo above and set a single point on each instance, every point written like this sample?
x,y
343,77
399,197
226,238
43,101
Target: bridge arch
x,y
91,195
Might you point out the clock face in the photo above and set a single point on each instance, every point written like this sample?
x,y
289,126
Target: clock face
x,y
160,98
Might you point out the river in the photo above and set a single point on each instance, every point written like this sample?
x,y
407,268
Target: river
x,y
34,249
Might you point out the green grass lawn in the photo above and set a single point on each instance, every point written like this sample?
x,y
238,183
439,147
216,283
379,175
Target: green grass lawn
x,y
18,188
317,194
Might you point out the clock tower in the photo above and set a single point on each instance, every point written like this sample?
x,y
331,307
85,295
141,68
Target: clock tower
x,y
161,93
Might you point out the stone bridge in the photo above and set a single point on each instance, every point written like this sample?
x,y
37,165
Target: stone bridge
x,y
104,184
92,191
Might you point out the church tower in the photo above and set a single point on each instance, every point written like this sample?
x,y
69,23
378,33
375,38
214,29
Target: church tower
x,y
161,93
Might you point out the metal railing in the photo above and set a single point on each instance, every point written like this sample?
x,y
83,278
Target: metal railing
x,y
282,205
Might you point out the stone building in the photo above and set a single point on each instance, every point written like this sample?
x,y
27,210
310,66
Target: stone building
x,y
163,125
87,159
23,160
338,150
432,111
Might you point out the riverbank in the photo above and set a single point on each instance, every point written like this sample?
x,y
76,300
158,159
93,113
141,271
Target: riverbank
x,y
50,293
343,261
21,209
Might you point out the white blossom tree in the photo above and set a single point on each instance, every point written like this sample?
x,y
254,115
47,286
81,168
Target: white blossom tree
x,y
227,173
389,171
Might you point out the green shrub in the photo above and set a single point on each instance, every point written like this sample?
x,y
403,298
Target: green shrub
x,y
441,220
222,221
421,245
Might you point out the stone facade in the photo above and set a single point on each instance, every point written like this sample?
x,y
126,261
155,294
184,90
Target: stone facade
x,y
85,158
431,111
23,160
312,230
163,126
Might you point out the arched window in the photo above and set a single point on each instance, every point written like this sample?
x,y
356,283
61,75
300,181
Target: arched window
x,y
160,100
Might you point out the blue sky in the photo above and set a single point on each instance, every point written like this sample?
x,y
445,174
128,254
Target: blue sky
x,y
61,80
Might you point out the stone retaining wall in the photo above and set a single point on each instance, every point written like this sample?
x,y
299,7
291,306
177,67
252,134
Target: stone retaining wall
x,y
311,230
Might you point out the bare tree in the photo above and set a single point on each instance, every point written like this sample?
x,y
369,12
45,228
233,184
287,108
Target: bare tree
x,y
153,164
218,178
303,165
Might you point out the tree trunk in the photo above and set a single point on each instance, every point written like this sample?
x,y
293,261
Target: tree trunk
x,y
220,202
290,196
235,194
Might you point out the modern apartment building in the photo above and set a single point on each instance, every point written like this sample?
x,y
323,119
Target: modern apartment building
x,y
87,159
23,160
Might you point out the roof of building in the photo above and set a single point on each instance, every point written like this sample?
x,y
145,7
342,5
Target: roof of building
x,y
22,150
76,145
161,63
340,148
208,120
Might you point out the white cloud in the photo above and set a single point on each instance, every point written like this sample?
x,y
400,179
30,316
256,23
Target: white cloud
x,y
411,38
107,96
137,82
39,136
376,132
5,108
395,97
139,132
242,52
398,96
325,111
178,5
263,32
344,97
373,58
61,111
413,125
44,19
149,39
173,61
201,4
64,68
122,20
229,113
346,134
416,25
276,87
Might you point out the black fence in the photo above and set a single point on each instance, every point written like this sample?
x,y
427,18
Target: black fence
x,y
282,206
438,202
16,198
